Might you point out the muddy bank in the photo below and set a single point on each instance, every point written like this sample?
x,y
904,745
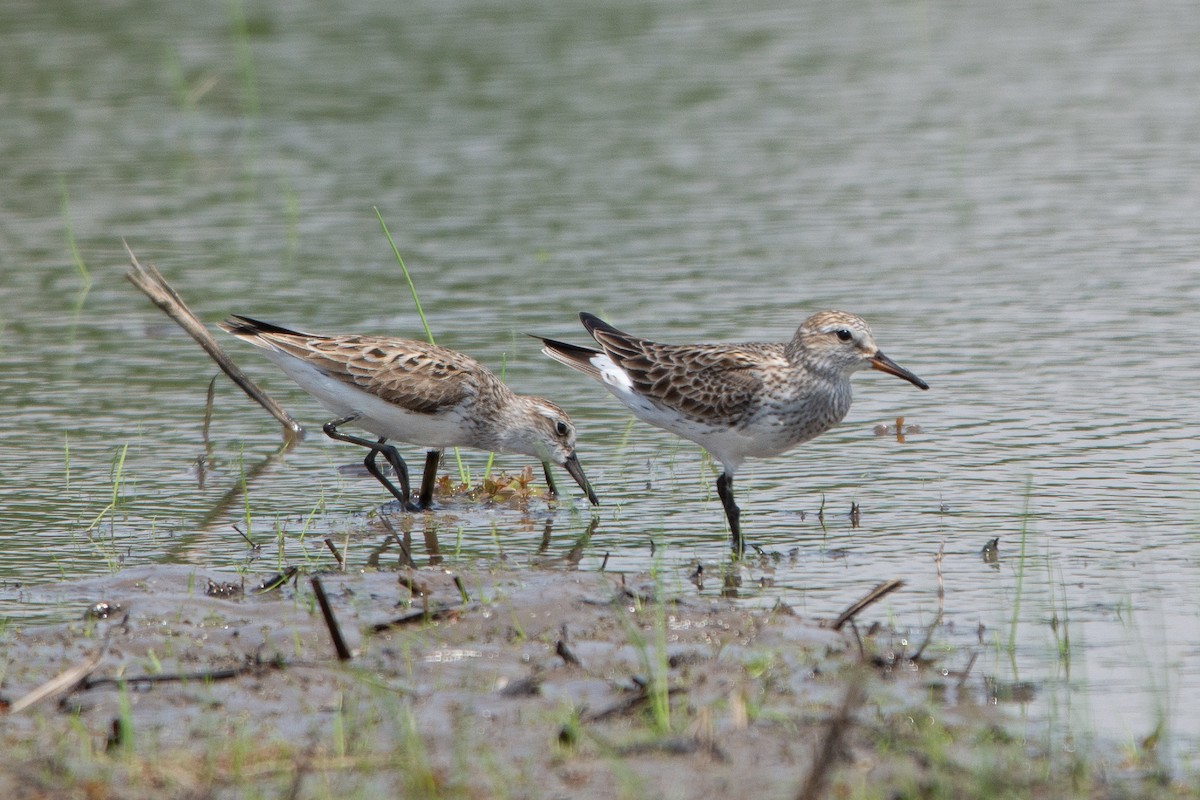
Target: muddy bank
x,y
538,683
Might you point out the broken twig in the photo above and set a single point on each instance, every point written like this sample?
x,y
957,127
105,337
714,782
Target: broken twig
x,y
830,749
62,683
204,676
335,631
150,281
876,594
338,556
421,615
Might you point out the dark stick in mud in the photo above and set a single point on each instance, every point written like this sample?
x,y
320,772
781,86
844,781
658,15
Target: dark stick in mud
x,y
206,676
418,616
831,745
338,556
335,631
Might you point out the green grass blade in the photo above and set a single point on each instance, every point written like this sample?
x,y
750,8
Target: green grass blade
x,y
245,57
1020,579
85,277
464,475
411,288
487,470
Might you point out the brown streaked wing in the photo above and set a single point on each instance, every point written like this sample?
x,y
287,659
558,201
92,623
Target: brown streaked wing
x,y
709,383
421,377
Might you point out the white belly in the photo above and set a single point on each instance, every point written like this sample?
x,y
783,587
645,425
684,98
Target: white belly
x,y
434,431
768,434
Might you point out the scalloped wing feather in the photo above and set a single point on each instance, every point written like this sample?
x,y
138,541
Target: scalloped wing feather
x,y
420,377
715,384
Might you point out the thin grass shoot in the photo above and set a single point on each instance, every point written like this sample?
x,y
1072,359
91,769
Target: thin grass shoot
x,y
464,474
1011,645
245,57
85,277
116,476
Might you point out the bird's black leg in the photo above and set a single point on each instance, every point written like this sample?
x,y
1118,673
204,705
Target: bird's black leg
x,y
389,452
550,487
393,457
425,498
732,513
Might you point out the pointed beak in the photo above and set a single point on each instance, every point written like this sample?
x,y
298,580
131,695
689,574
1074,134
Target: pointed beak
x,y
571,465
884,364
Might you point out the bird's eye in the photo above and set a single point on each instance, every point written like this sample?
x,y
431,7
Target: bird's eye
x,y
561,428
844,334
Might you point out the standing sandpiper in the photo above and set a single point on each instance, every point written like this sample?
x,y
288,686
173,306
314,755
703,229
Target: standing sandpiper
x,y
418,393
737,401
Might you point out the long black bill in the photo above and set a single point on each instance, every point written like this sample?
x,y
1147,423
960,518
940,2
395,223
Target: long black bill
x,y
884,364
571,465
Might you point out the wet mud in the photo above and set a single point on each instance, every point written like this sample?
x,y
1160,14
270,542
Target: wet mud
x,y
490,681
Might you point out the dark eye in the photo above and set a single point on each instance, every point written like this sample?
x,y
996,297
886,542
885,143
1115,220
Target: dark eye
x,y
844,334
561,428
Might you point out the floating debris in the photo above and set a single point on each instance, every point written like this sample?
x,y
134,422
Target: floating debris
x,y
499,488
899,430
223,590
275,581
999,691
102,610
991,551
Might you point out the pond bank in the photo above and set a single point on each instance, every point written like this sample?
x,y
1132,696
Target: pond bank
x,y
495,682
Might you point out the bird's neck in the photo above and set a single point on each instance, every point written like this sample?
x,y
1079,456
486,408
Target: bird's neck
x,y
511,431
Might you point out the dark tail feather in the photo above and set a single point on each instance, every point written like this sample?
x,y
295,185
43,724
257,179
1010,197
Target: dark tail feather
x,y
245,326
573,355
594,323
617,344
567,349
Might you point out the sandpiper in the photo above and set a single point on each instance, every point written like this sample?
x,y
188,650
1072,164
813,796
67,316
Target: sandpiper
x,y
737,401
419,393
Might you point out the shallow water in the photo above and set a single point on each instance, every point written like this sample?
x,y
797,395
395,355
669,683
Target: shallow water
x,y
1010,195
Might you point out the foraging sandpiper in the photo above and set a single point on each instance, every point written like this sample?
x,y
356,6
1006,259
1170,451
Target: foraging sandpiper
x,y
418,393
737,401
